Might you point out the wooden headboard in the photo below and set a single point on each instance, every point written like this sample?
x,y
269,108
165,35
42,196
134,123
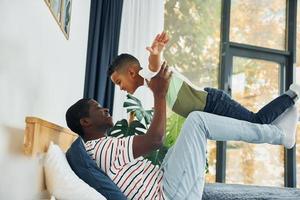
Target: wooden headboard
x,y
37,137
39,133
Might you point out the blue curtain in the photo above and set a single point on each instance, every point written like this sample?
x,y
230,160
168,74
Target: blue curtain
x,y
103,42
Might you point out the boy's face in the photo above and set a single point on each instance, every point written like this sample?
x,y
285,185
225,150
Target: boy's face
x,y
126,80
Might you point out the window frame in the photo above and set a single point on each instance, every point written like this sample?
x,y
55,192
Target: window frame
x,y
286,60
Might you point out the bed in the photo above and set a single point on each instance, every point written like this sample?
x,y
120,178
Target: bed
x,y
48,142
39,133
37,137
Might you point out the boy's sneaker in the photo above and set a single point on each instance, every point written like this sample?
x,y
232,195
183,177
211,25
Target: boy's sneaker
x,y
287,122
295,88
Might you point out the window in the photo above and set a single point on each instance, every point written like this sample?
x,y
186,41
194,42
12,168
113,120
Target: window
x,y
194,30
239,45
256,50
258,23
254,84
194,46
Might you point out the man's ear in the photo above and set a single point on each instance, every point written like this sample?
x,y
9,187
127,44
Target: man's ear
x,y
85,122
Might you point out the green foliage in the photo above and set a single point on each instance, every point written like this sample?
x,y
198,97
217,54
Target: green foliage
x,y
174,125
133,104
156,157
123,129
194,30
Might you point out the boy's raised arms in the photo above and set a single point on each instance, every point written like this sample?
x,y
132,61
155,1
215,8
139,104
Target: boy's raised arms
x,y
155,51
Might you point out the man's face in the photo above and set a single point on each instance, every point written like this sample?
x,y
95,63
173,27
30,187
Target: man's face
x,y
125,80
99,116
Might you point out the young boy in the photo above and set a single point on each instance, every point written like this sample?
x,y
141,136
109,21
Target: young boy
x,y
183,97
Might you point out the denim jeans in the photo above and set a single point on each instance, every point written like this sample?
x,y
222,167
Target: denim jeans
x,y
220,103
184,164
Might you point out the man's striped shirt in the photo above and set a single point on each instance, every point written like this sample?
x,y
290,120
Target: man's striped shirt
x,y
137,178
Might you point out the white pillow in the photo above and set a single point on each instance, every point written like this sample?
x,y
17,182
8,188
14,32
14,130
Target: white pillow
x,y
62,182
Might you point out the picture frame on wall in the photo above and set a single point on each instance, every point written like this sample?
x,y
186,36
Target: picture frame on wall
x,y
61,11
48,2
55,7
66,16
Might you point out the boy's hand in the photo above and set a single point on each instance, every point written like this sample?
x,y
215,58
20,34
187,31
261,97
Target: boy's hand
x,y
159,84
158,44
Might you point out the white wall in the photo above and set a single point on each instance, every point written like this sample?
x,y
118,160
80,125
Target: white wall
x,y
41,73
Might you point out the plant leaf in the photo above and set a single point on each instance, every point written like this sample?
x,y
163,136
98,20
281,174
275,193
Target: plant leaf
x,y
128,104
137,128
139,115
157,157
129,96
120,129
174,125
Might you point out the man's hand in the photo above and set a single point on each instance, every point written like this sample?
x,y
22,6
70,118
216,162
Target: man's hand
x,y
153,139
158,44
159,84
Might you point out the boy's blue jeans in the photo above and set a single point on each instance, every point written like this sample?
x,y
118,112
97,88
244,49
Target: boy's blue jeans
x,y
184,164
220,103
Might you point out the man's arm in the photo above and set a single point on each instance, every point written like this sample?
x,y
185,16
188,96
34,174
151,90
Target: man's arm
x,y
153,139
155,50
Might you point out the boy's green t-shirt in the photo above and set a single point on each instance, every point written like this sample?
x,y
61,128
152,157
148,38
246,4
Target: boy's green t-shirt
x,y
182,96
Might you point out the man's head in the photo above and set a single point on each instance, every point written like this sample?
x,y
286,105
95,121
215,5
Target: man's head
x,y
124,72
87,116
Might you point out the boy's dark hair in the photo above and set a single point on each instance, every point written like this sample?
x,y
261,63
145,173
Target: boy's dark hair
x,y
121,61
77,111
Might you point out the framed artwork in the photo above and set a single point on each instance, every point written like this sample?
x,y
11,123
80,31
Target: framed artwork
x,y
55,7
66,16
48,2
61,11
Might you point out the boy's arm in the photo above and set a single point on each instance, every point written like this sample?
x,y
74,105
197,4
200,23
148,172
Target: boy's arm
x,y
155,50
153,139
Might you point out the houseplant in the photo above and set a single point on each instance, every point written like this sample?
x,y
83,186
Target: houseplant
x,y
140,121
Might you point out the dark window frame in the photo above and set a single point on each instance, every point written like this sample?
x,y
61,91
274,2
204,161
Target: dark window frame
x,y
285,59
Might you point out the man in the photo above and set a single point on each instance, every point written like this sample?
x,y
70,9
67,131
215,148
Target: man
x,y
181,175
